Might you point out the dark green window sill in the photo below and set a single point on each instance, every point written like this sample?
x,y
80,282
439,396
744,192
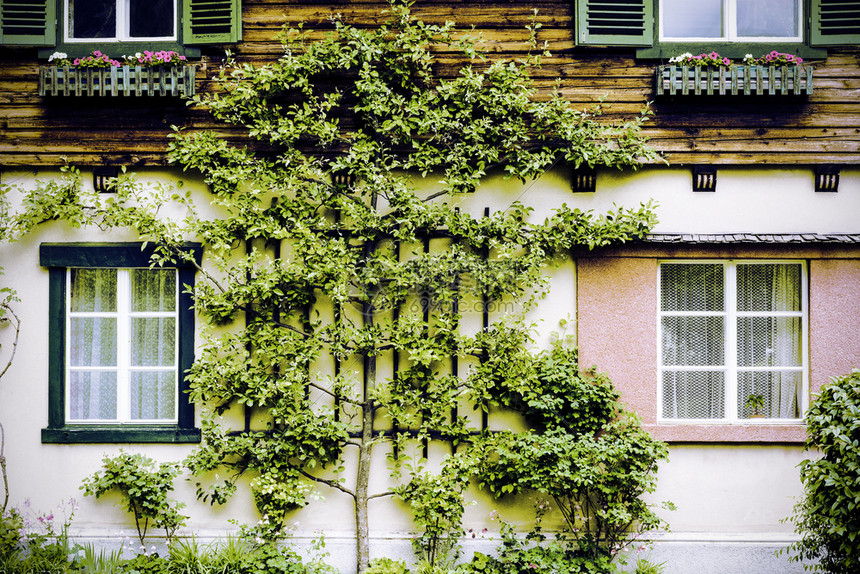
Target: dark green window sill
x,y
732,50
72,434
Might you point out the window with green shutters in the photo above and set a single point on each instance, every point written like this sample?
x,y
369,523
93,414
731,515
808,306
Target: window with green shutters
x,y
835,22
211,21
48,23
636,23
28,22
615,22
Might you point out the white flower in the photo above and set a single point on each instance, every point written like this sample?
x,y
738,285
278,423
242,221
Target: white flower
x,y
57,56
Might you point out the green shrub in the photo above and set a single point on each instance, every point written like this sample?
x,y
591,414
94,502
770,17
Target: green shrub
x,y
387,566
585,452
144,487
828,516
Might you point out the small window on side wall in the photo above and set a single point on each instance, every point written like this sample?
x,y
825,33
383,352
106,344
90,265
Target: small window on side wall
x,y
732,340
121,339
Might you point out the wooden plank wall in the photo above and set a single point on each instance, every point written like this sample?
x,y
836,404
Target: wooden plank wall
x,y
821,128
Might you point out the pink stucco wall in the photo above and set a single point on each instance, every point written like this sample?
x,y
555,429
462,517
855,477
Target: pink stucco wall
x,y
617,330
834,319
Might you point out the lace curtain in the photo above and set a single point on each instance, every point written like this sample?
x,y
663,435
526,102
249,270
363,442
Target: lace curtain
x,y
103,315
768,326
770,353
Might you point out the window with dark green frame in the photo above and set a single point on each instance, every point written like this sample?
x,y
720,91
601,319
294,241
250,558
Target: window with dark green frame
x,y
121,337
127,29
636,23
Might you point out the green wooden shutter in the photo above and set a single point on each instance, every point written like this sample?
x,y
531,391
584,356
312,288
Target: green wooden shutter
x,y
615,22
834,22
28,22
211,21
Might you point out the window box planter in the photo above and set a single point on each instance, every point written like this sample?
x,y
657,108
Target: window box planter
x,y
117,81
738,80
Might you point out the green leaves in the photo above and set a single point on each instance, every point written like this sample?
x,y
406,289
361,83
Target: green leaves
x,y
828,516
144,487
584,451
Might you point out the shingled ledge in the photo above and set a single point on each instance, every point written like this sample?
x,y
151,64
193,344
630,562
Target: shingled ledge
x,y
811,238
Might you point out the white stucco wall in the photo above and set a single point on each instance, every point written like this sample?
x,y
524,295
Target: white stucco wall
x,y
723,493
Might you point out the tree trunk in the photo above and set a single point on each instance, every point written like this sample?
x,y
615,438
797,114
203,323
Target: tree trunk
x,y
365,448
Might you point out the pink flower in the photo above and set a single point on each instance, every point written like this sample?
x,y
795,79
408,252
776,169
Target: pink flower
x,y
97,53
76,62
726,61
182,58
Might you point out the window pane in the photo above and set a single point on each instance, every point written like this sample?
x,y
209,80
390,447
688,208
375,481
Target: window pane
x,y
696,287
92,395
151,18
769,342
780,391
92,341
92,18
93,290
153,394
767,18
685,19
769,287
693,395
153,341
153,290
693,341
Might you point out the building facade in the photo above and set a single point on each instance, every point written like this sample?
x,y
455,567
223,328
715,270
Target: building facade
x,y
747,287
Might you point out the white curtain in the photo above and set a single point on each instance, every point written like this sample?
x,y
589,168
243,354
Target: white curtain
x,y
153,344
92,343
770,340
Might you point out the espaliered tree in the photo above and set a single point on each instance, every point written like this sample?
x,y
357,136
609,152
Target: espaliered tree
x,y
337,262
321,256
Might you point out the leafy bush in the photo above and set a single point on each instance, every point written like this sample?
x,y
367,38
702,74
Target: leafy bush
x,y
828,516
144,487
585,452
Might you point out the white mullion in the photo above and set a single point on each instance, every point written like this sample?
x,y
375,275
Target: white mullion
x,y
122,23
123,302
730,20
731,338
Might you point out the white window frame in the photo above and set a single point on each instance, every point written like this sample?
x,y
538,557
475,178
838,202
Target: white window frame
x,y
123,33
730,25
123,316
730,366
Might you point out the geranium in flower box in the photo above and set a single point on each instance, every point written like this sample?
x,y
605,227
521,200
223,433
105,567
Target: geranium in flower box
x,y
710,74
164,73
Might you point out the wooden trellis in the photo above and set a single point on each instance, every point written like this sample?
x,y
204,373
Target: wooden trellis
x,y
117,81
674,80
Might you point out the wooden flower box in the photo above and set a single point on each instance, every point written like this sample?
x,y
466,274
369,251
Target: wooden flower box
x,y
743,80
117,81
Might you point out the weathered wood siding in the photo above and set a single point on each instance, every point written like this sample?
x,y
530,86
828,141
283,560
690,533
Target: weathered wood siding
x,y
821,128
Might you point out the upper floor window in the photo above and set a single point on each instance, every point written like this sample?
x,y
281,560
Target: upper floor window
x,y
666,28
76,27
731,20
732,340
129,20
